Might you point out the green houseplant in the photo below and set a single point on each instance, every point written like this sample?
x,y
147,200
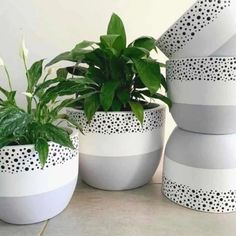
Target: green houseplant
x,y
38,158
120,84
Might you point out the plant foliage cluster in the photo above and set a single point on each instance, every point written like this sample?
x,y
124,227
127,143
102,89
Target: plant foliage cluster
x,y
39,122
115,76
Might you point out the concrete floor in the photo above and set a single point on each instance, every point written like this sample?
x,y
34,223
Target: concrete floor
x,y
140,212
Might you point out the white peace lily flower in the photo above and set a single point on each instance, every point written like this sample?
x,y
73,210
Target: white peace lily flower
x,y
23,51
1,62
30,95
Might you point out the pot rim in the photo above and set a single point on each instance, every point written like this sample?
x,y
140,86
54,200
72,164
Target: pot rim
x,y
158,107
201,58
29,146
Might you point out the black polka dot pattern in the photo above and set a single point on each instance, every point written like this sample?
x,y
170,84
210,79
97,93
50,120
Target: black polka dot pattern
x,y
210,69
207,201
190,24
119,122
20,159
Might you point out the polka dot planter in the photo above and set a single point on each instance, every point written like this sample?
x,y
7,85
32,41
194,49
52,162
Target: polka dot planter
x,y
203,94
30,194
200,171
208,28
116,152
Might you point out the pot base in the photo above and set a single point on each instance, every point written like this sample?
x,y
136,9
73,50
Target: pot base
x,y
119,173
36,208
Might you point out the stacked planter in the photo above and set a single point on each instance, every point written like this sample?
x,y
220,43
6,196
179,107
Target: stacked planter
x,y
200,158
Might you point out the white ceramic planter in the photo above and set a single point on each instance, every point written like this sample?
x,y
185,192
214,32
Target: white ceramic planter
x,y
208,28
30,194
116,152
200,171
203,94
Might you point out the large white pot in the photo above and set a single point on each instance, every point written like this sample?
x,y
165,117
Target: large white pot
x,y
203,94
208,28
200,171
30,194
116,152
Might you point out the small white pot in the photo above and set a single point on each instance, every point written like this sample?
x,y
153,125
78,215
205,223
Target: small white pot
x,y
200,171
30,194
203,94
208,28
116,152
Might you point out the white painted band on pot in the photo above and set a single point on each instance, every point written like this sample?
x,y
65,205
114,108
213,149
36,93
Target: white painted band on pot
x,y
201,31
47,180
202,81
125,144
198,178
21,173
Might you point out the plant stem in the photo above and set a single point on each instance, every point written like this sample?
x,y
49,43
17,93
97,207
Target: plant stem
x,y
8,77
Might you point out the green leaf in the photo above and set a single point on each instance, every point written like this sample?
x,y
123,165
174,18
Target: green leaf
x,y
63,88
91,105
96,74
41,146
35,73
83,44
123,95
113,42
65,56
116,26
107,93
148,43
70,102
4,141
163,82
157,96
116,105
150,74
57,135
135,52
11,97
13,121
138,110
62,73
47,84
71,122
85,81
63,104
96,58
79,53
138,83
77,70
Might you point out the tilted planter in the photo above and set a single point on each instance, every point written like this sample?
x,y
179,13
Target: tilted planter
x,y
200,171
30,194
206,29
203,94
116,152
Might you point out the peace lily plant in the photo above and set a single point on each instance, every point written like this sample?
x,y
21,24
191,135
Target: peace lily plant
x,y
38,123
117,76
38,156
117,108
